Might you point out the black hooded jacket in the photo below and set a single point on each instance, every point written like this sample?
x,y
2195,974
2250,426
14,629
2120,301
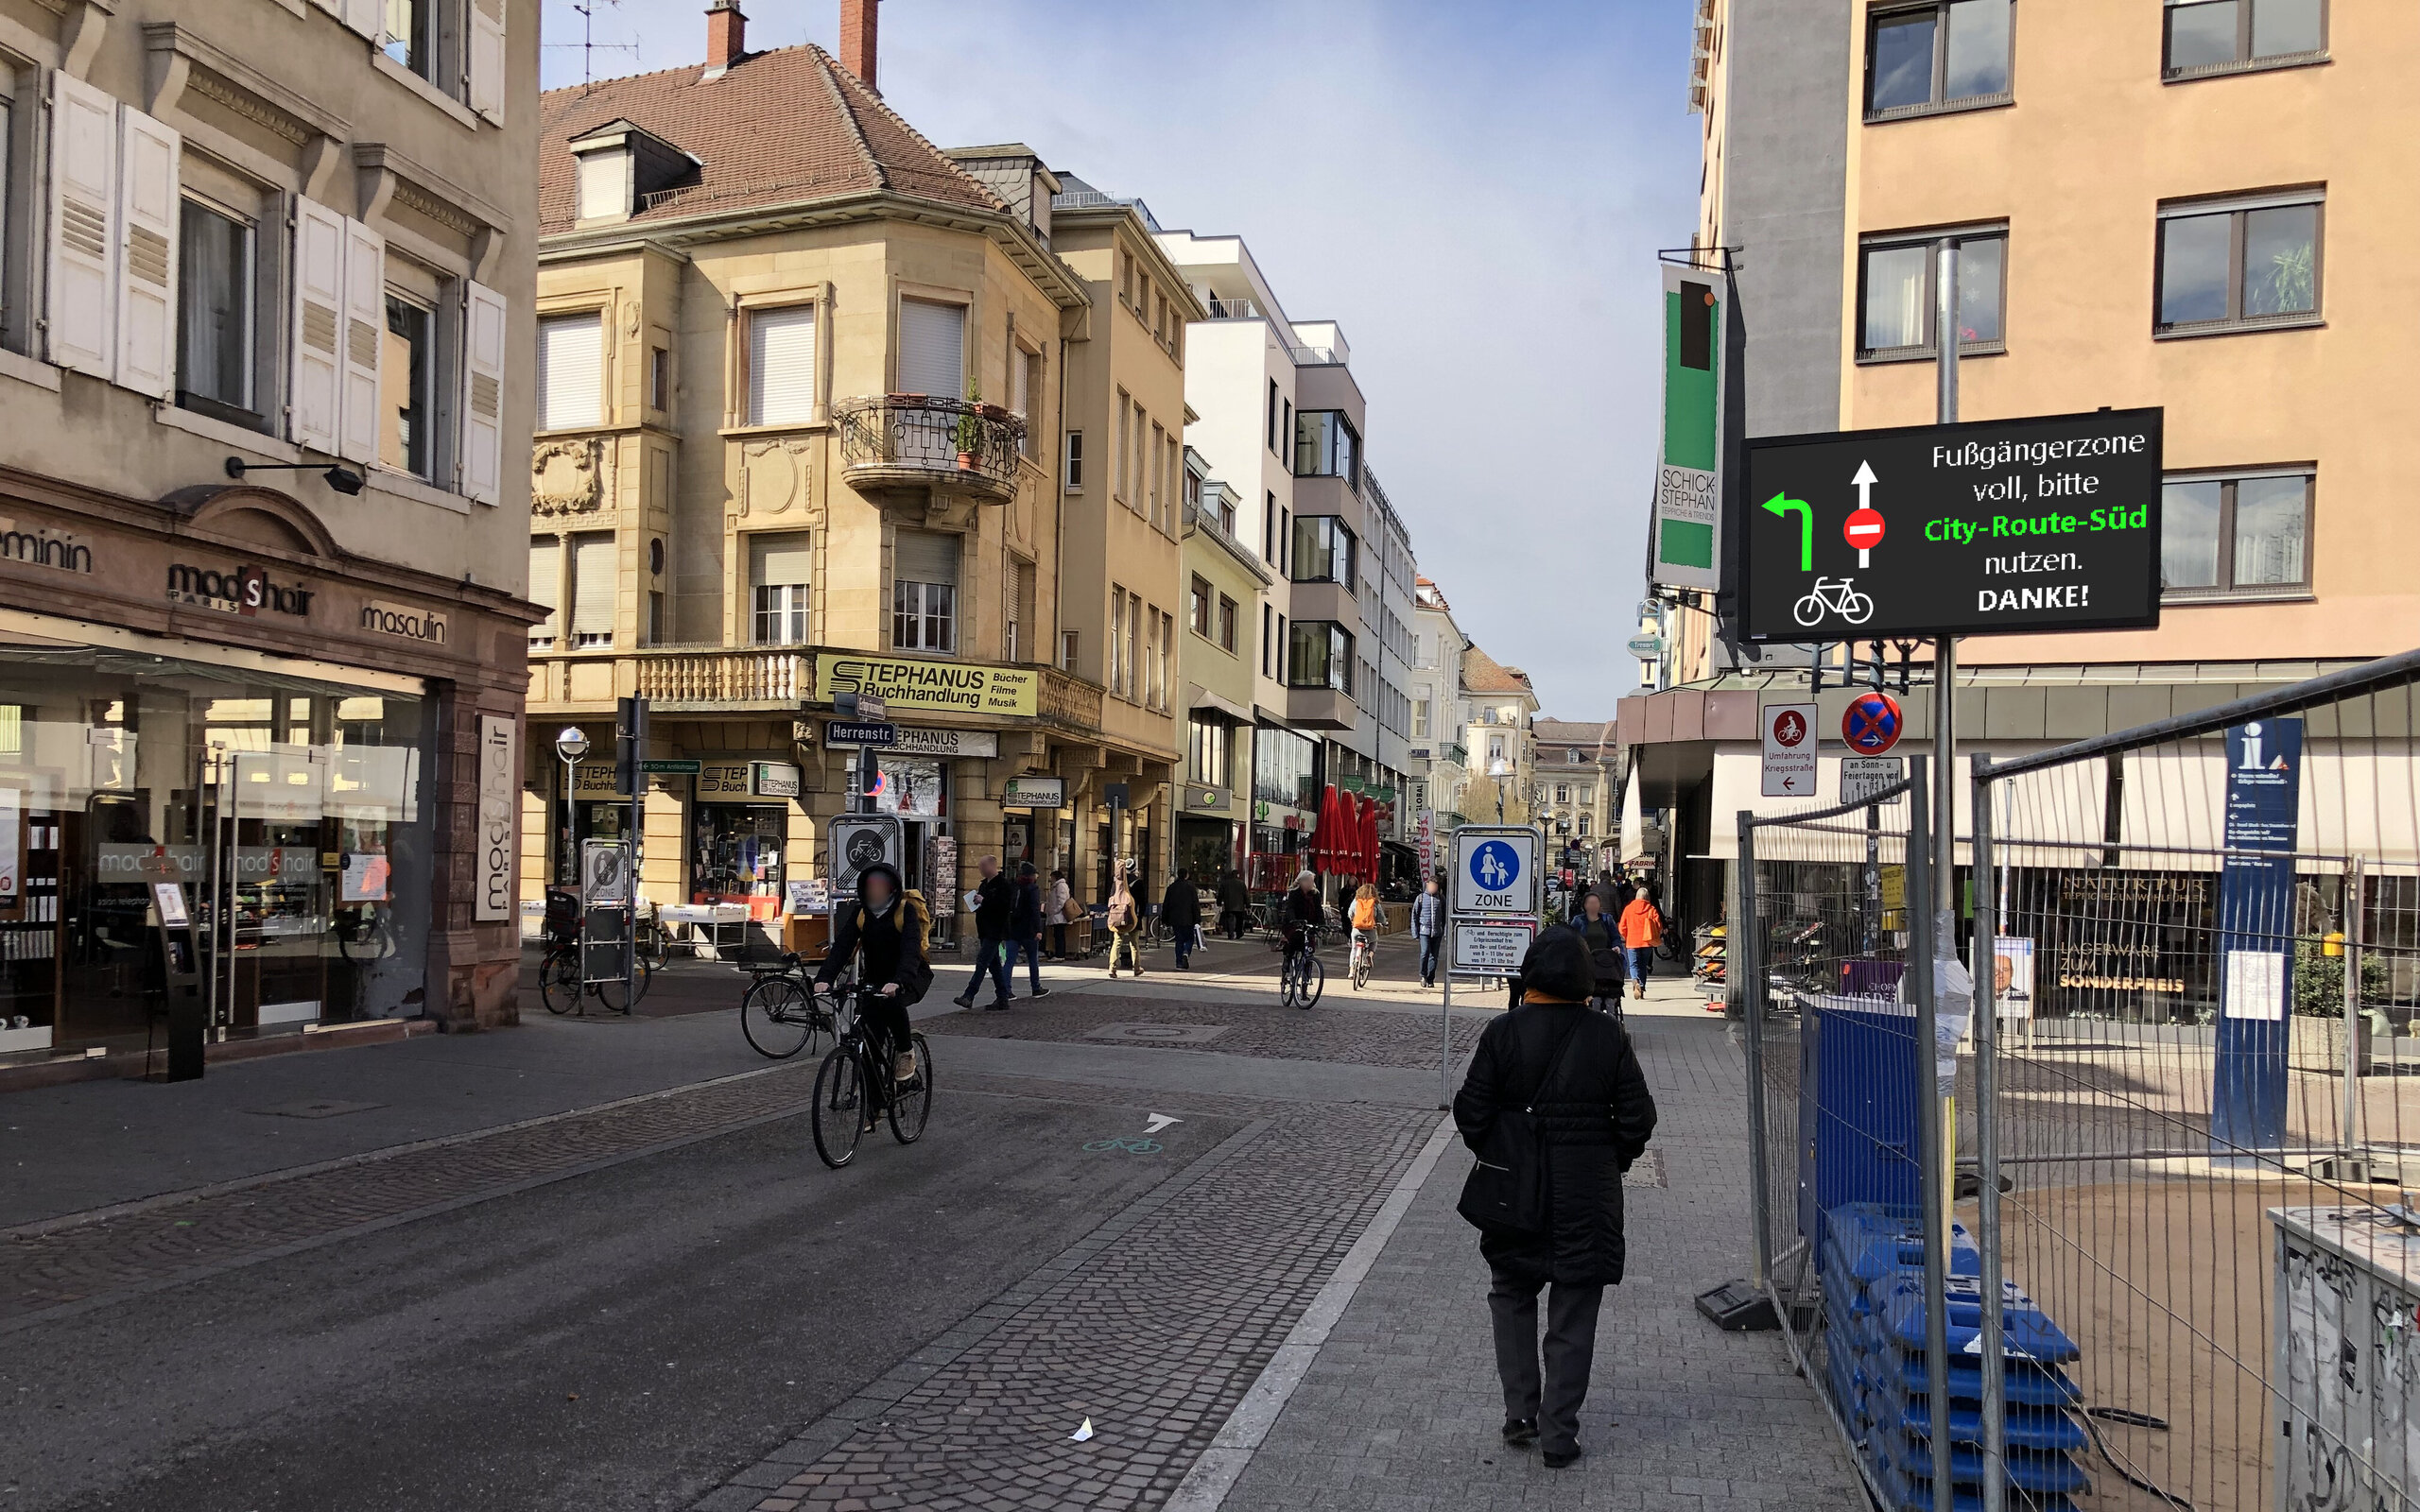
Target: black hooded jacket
x,y
892,941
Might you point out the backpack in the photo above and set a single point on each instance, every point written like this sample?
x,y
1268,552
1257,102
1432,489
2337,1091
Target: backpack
x,y
1365,913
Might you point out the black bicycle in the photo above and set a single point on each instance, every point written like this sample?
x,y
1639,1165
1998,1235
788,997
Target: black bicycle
x,y
845,1110
1301,980
559,979
780,1015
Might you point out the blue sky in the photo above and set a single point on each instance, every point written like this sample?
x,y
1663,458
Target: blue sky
x,y
1477,192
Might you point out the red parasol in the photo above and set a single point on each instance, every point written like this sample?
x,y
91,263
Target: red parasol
x,y
1369,839
1322,850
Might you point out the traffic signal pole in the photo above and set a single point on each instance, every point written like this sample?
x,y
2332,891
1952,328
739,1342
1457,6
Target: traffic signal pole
x,y
1947,332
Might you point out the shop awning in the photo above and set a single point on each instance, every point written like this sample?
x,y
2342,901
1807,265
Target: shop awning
x,y
1207,702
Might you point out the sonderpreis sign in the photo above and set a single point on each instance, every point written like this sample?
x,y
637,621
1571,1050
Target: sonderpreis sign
x,y
2000,527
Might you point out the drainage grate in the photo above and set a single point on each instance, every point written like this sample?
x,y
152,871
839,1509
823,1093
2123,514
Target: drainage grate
x,y
322,1107
1647,1171
1159,1034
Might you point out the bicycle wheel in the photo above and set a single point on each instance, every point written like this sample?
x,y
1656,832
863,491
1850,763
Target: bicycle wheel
x,y
1286,973
1314,981
777,1017
839,1110
559,981
912,1103
1361,965
616,994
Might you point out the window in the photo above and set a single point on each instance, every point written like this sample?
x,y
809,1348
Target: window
x,y
1126,277
1020,605
1583,826
547,590
1420,719
778,574
1320,655
2211,36
1326,446
1207,750
932,349
1068,647
1125,445
406,380
1900,295
1134,689
1116,682
1074,461
1268,529
659,378
1286,425
2251,263
781,365
1025,370
1494,749
1156,463
1936,56
1198,606
1229,613
405,36
1272,417
1562,792
1163,647
1266,640
1226,514
592,590
1573,756
2241,534
1323,551
923,592
571,371
215,332
656,630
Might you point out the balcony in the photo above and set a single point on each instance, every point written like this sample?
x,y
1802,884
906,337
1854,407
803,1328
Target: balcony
x,y
1235,309
918,443
1069,701
674,678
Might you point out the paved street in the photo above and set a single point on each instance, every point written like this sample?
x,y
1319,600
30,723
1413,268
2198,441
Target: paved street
x,y
596,1265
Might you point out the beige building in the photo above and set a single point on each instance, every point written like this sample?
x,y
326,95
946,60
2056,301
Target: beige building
x,y
1225,579
264,345
1496,706
1574,784
802,380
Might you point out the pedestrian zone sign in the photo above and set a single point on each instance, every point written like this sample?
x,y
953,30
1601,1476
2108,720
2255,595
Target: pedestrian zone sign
x,y
1495,869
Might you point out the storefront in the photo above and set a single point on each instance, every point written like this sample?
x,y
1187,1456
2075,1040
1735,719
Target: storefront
x,y
1285,783
273,733
1205,830
739,834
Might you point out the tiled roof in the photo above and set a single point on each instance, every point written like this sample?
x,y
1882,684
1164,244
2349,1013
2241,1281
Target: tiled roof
x,y
1568,731
776,127
1482,673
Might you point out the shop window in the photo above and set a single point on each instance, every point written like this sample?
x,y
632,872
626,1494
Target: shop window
x,y
923,592
2240,535
571,371
779,570
593,575
1206,752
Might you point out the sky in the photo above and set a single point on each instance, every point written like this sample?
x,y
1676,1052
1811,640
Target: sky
x,y
1476,192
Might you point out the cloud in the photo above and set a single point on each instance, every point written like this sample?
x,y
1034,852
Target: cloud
x,y
1475,193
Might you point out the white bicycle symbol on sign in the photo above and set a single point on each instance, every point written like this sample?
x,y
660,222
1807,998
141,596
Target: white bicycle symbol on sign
x,y
1833,595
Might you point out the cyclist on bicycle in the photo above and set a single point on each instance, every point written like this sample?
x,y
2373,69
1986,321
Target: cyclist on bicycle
x,y
888,933
1301,916
1365,923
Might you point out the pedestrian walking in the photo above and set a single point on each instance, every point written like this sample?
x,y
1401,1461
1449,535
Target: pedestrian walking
x,y
1555,1109
1064,910
993,902
1428,928
1601,933
1234,903
1123,919
1642,926
1024,931
1181,910
1609,892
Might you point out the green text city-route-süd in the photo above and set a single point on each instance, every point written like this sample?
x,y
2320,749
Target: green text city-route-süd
x,y
1999,526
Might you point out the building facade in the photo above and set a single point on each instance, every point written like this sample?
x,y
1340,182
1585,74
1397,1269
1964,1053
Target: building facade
x,y
264,336
801,390
1440,763
1575,787
1224,580
1496,705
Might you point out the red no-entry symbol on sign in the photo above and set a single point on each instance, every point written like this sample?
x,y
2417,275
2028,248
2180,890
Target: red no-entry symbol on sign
x,y
1871,724
1864,531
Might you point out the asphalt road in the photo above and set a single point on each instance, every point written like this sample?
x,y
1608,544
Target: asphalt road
x,y
618,1340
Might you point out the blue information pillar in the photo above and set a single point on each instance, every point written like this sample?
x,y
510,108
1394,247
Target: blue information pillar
x,y
2255,934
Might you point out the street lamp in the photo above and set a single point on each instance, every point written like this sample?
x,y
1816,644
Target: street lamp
x,y
571,743
1500,771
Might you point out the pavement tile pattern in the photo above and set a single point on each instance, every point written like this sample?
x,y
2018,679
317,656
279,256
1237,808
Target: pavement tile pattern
x,y
1332,1031
1401,1409
165,1241
1153,1327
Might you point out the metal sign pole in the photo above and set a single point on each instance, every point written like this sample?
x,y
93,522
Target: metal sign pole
x,y
1987,1148
1445,1026
1930,1186
1947,332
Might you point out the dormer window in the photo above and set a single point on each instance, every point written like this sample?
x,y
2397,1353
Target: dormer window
x,y
623,168
605,183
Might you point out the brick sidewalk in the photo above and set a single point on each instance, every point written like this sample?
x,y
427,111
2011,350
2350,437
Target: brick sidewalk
x,y
1401,1407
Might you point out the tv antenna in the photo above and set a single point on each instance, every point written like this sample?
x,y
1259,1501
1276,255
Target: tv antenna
x,y
588,44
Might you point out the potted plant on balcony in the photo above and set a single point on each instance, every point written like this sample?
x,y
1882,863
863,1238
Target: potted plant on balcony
x,y
970,432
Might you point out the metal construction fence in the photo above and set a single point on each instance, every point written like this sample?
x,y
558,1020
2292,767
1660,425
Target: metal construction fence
x,y
2142,1208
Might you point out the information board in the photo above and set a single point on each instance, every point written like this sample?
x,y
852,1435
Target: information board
x,y
1492,947
1991,528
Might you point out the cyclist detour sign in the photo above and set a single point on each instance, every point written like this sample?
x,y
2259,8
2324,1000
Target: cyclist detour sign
x,y
1997,527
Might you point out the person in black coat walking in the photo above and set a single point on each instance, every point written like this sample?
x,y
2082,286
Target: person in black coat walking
x,y
995,901
1180,909
1025,929
1570,1074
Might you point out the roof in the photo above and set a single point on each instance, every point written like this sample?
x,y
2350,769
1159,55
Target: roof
x,y
1482,673
776,127
1569,731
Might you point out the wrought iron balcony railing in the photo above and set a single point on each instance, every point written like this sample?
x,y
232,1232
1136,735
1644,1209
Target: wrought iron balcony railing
x,y
918,440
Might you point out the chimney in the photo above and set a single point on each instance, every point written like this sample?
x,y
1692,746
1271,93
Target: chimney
x,y
726,34
858,23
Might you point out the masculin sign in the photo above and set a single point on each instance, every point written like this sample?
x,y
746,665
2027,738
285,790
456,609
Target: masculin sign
x,y
2049,523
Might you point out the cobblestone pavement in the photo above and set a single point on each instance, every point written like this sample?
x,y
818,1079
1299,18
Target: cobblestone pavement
x,y
1152,1329
1401,1407
1331,1031
169,1240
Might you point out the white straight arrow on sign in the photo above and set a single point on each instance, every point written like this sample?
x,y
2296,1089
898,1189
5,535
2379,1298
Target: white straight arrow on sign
x,y
1864,481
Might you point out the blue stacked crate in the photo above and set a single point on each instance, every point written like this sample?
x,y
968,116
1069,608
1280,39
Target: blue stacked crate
x,y
1872,1265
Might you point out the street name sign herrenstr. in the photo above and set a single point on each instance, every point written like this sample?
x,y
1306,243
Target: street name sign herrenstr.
x,y
1995,527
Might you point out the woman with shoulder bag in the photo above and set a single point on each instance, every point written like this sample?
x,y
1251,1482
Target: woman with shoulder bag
x,y
1064,910
1555,1109
1125,921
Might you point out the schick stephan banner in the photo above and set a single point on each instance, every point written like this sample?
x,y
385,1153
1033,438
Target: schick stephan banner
x,y
1991,528
1689,472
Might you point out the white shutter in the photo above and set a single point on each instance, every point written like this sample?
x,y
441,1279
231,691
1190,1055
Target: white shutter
x,y
319,322
364,330
591,590
367,17
571,371
547,588
932,349
333,7
781,366
482,408
486,59
147,286
925,556
80,311
780,560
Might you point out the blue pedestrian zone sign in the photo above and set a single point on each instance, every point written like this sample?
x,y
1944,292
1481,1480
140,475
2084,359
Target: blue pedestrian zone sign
x,y
1495,866
1495,870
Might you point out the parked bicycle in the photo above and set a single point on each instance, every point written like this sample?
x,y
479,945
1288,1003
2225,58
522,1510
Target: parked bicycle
x,y
559,985
846,1098
779,1015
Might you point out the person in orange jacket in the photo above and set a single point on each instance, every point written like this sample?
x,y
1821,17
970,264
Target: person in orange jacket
x,y
1642,926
